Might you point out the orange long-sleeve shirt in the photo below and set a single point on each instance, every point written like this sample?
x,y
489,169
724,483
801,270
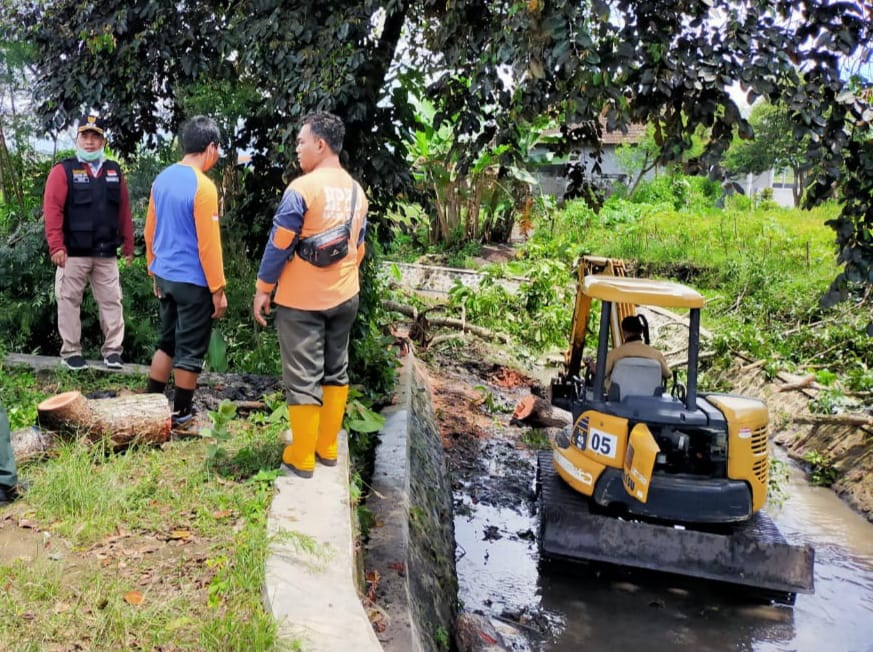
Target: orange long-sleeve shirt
x,y
182,232
311,204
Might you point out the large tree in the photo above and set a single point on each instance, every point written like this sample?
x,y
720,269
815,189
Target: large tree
x,y
491,66
774,147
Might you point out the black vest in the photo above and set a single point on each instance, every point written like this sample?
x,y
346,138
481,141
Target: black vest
x,y
91,211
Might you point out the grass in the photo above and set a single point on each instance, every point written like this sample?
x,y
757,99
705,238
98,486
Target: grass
x,y
149,548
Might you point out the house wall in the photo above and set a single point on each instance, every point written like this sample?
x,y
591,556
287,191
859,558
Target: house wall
x,y
753,184
553,176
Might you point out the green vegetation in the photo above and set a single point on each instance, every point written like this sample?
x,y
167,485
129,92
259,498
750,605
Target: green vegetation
x,y
822,471
138,541
536,439
777,491
149,547
454,176
762,270
442,103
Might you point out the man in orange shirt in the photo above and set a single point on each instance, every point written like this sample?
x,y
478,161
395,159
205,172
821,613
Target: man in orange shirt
x,y
183,251
316,300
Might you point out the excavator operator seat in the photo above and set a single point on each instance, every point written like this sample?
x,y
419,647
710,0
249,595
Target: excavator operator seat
x,y
635,377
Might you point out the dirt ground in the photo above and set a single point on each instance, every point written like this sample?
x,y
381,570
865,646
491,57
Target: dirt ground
x,y
848,448
474,393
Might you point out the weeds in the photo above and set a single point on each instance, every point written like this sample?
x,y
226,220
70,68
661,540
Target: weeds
x,y
145,548
822,471
536,439
780,476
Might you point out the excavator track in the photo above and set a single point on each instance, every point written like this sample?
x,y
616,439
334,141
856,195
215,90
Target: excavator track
x,y
752,554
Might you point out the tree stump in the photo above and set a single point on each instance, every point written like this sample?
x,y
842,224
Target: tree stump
x,y
120,420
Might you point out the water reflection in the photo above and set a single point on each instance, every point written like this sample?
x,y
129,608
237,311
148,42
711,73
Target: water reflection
x,y
610,609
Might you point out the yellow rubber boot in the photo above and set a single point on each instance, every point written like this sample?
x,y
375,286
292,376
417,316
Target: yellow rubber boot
x,y
300,455
333,408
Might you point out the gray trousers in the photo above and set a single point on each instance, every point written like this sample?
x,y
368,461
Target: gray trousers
x,y
315,349
8,476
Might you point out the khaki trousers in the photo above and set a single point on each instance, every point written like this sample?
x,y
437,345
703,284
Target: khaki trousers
x,y
70,282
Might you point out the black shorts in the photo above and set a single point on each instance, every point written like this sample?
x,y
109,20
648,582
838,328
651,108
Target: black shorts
x,y
186,323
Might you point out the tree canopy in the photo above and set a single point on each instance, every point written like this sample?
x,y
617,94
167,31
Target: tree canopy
x,y
490,68
774,147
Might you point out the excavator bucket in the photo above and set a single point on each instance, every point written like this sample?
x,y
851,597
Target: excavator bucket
x,y
752,554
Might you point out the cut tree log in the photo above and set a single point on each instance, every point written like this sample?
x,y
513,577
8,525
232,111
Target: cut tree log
x,y
120,420
30,444
539,413
420,329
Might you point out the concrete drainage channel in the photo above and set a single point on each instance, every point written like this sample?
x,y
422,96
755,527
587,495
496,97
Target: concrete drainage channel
x,y
410,555
311,587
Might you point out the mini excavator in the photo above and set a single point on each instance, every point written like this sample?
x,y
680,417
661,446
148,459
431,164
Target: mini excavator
x,y
662,478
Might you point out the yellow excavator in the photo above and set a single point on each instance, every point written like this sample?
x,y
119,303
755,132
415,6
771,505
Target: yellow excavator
x,y
659,477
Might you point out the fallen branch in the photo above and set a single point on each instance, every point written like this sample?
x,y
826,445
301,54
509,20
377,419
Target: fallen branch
x,y
859,420
409,311
213,403
811,326
800,383
684,363
754,365
421,329
467,328
439,339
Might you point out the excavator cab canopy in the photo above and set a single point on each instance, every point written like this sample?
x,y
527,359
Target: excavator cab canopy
x,y
604,279
641,292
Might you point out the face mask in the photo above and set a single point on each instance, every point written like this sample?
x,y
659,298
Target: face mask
x,y
90,157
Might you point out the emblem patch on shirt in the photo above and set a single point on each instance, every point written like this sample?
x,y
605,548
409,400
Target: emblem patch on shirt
x,y
80,176
112,176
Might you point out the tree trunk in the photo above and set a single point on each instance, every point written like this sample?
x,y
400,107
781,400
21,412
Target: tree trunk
x,y
30,444
122,420
646,167
799,185
539,413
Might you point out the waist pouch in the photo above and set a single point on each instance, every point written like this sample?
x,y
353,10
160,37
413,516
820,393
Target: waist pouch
x,y
325,248
331,246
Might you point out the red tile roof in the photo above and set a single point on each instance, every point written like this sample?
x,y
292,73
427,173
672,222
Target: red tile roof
x,y
635,133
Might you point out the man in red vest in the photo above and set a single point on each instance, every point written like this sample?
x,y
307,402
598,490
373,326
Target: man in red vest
x,y
87,217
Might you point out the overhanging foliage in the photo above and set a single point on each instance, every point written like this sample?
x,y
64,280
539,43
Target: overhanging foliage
x,y
493,66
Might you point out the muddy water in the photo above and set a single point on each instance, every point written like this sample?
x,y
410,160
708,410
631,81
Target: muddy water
x,y
564,607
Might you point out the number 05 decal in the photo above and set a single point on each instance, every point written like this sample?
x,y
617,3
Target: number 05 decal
x,y
603,443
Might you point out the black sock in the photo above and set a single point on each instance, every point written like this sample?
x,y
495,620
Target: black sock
x,y
155,386
182,401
